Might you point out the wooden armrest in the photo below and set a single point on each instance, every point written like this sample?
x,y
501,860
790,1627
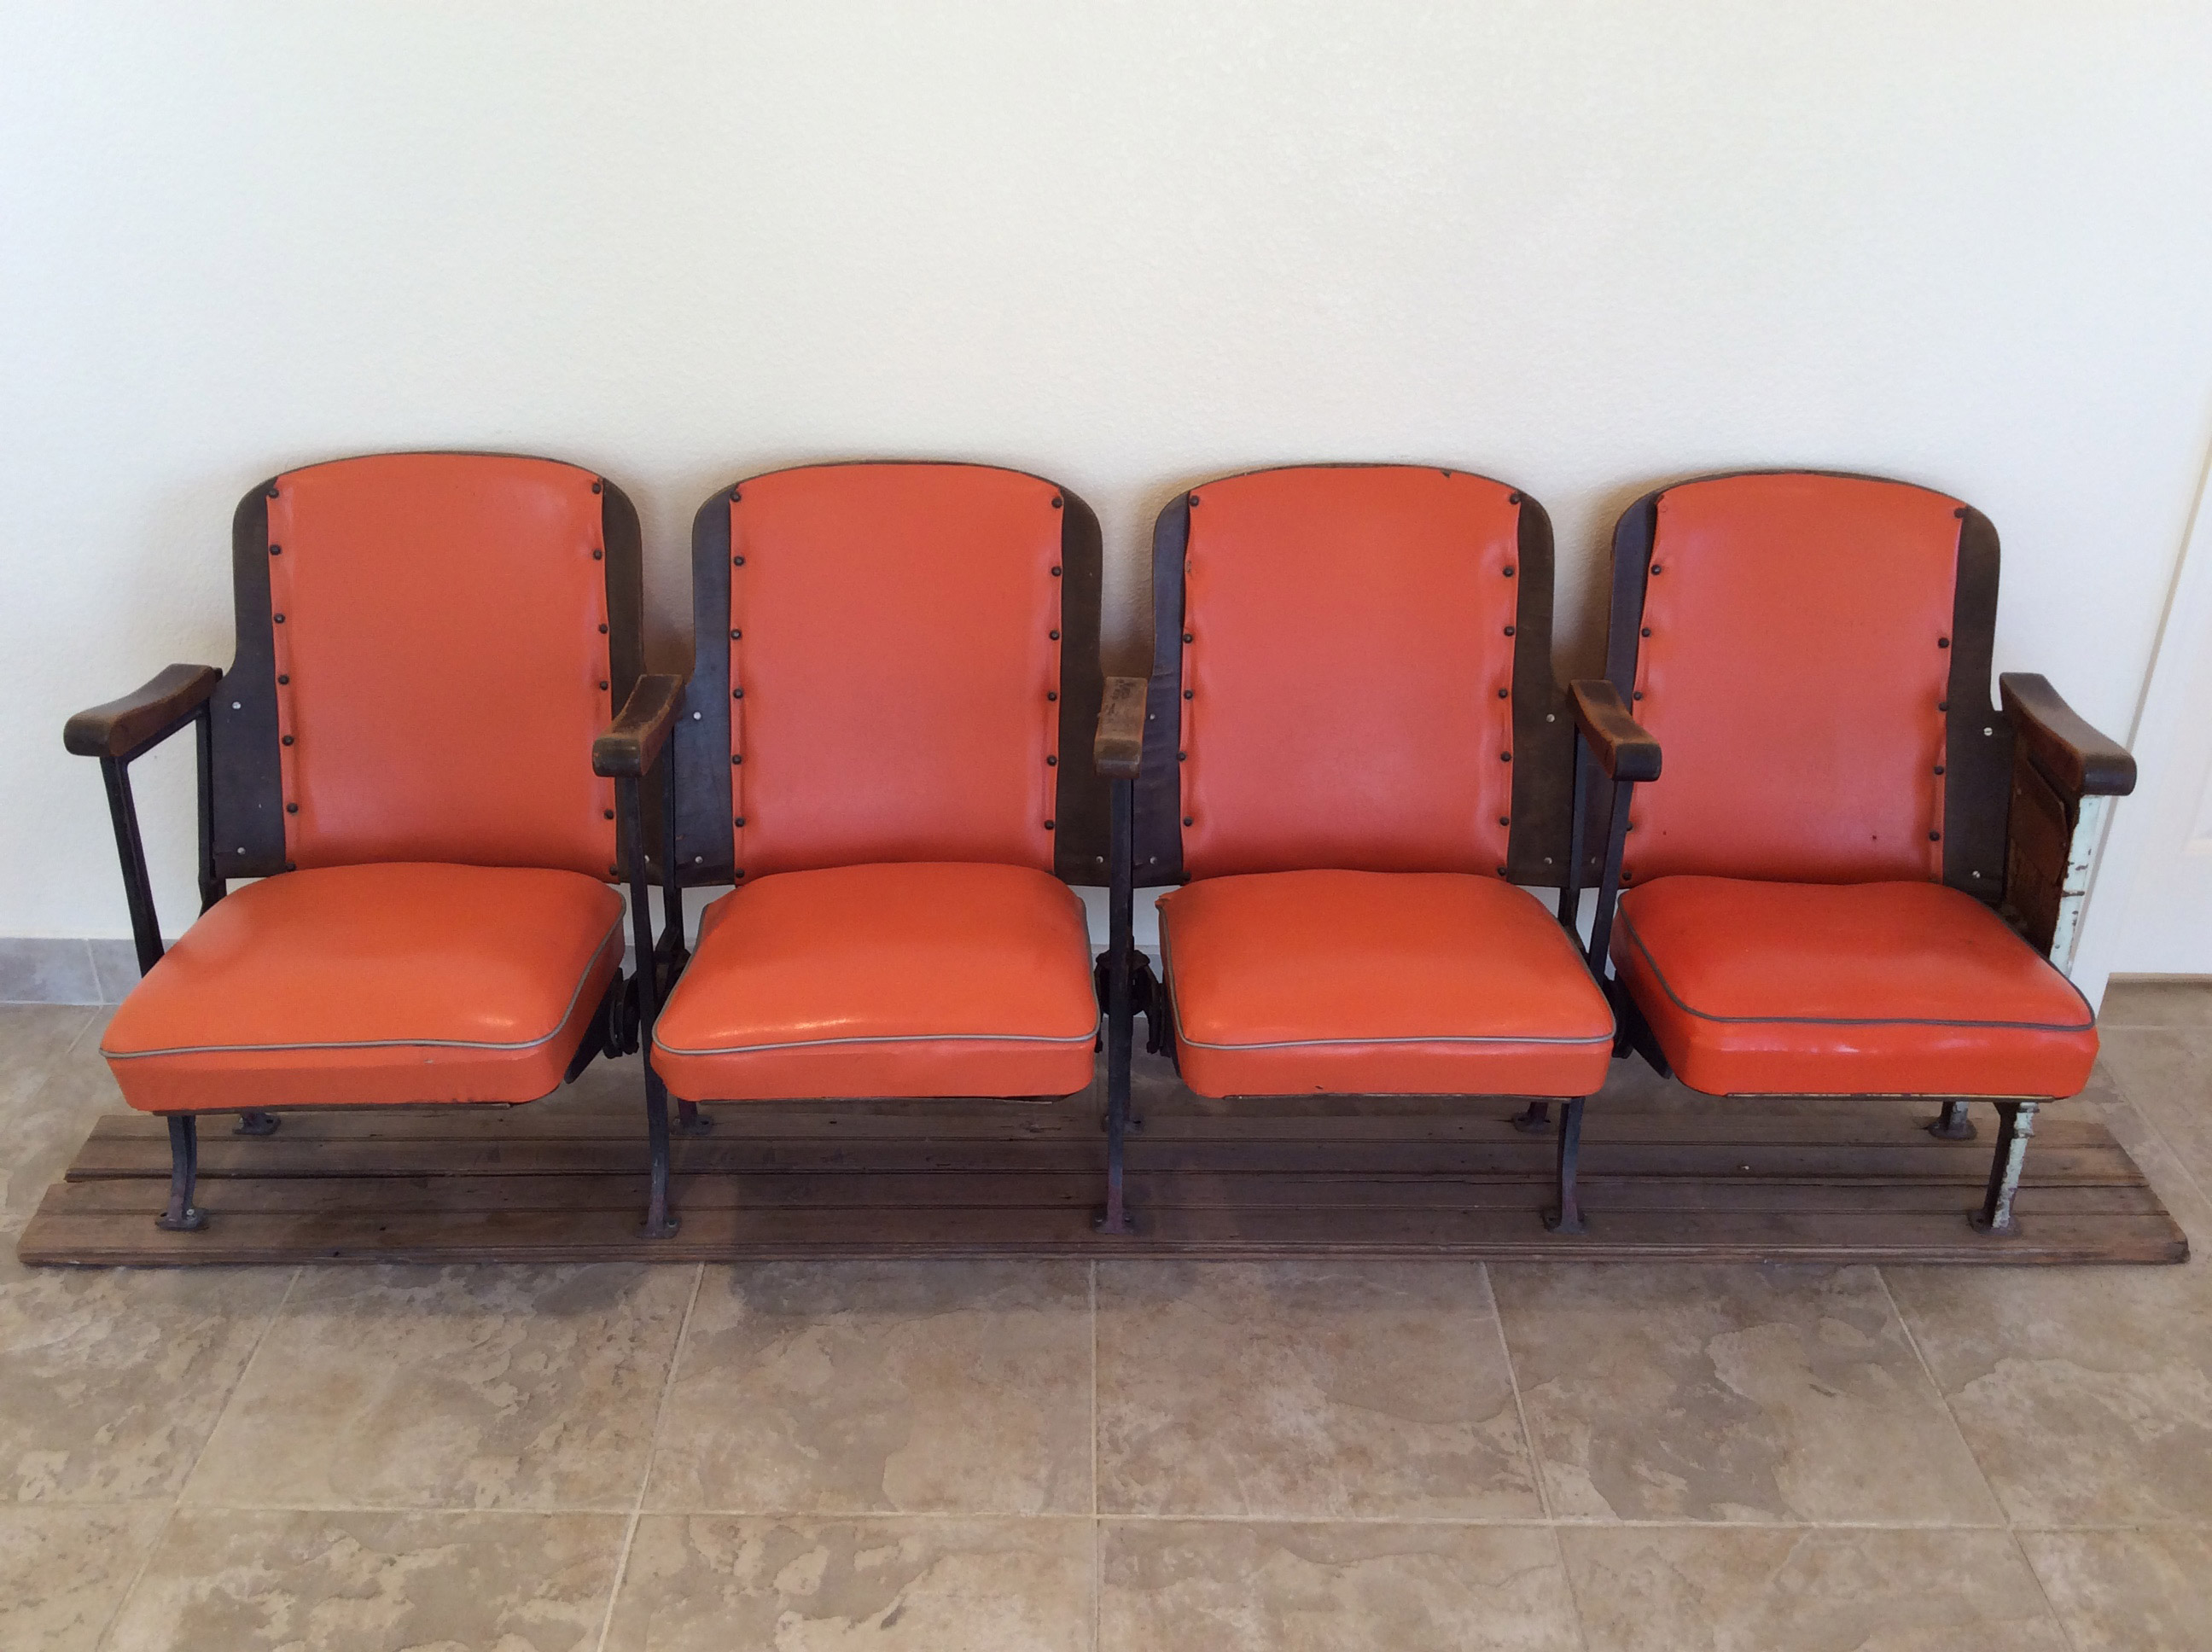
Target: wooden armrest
x,y
124,727
1118,750
631,746
2073,756
1626,750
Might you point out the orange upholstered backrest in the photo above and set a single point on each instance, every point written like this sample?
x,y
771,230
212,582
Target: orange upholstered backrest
x,y
441,654
1793,657
893,658
1348,670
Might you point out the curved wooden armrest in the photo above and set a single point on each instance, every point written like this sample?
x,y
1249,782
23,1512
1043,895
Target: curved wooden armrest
x,y
1626,750
2074,757
631,746
125,727
1118,750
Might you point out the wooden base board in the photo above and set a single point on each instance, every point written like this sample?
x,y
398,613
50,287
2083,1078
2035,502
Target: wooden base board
x,y
1664,1177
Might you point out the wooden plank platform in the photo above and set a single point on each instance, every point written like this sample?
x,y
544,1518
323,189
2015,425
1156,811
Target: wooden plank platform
x,y
1664,1175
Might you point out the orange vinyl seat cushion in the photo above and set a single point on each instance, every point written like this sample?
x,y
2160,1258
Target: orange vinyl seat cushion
x,y
909,979
1848,989
347,986
1378,983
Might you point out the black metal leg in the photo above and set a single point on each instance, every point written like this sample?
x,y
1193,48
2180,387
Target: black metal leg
x,y
2015,1124
1533,1120
690,1120
182,1217
1567,1216
660,1221
1120,1014
253,1123
1952,1123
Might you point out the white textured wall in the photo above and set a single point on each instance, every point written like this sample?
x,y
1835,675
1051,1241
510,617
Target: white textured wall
x,y
1584,247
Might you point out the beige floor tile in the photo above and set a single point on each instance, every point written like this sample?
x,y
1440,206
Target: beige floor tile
x,y
2128,1591
713,1582
1306,1390
63,1571
883,1388
2168,1075
1682,1588
455,1388
2157,1004
111,1380
2086,1393
52,1085
1236,1585
1789,1394
258,1581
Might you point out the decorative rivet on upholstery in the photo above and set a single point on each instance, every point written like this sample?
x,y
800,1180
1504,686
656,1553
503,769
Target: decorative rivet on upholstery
x,y
288,739
1054,635
1051,694
1056,505
1646,631
276,550
1193,502
1509,630
1505,820
596,553
1938,768
1943,705
735,633
291,808
1051,763
1186,819
614,871
1934,837
737,694
1638,694
289,865
1187,693
736,561
1055,570
282,682
741,872
1505,693
1187,637
740,821
280,619
1656,569
609,813
272,490
595,486
1942,642
603,683
1509,570
1049,825
1510,499
1501,872
1505,756
602,630
736,756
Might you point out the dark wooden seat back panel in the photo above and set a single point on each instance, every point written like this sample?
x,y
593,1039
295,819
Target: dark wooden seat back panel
x,y
1352,664
1787,637
880,671
427,644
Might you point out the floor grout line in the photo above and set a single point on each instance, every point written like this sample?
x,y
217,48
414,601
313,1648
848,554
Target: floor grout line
x,y
652,1459
2048,1604
1519,1407
1943,1399
184,1483
2150,1123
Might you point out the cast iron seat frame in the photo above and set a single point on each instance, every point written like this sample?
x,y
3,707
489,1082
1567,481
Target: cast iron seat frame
x,y
2028,784
235,789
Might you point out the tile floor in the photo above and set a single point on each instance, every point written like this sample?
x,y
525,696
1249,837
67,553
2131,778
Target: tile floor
x,y
1001,1454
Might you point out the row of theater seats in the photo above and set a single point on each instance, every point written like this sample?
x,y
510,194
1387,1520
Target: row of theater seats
x,y
1823,862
